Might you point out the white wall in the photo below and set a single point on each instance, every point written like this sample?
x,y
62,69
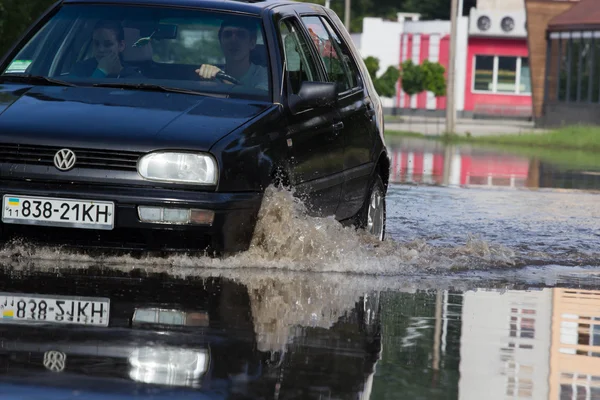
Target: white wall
x,y
488,362
504,5
427,27
381,39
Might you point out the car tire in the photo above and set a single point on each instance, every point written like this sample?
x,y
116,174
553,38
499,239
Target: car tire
x,y
373,209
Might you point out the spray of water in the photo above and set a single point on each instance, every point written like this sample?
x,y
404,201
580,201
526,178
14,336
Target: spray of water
x,y
287,238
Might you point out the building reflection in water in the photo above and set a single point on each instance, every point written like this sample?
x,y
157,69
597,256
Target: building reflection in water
x,y
575,361
537,344
418,161
504,344
435,164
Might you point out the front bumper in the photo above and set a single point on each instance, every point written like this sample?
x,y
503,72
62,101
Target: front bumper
x,y
231,230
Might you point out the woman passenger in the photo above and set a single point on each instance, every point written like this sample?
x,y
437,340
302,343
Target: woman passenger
x,y
108,44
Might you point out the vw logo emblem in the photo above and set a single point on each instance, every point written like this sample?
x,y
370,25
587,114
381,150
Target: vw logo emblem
x,y
55,361
64,159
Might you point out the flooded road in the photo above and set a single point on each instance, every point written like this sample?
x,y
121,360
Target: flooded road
x,y
488,285
546,212
236,334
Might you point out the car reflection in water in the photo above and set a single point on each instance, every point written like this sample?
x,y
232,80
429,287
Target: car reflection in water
x,y
174,338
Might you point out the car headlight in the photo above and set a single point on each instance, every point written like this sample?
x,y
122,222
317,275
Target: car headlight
x,y
179,168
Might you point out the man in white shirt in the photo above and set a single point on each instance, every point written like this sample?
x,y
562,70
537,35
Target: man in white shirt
x,y
238,38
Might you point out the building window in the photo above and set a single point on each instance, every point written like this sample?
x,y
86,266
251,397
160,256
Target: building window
x,y
484,73
572,73
502,74
525,80
573,69
578,386
594,76
507,75
522,323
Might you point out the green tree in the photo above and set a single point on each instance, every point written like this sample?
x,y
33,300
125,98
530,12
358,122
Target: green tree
x,y
15,18
412,78
425,77
433,78
385,85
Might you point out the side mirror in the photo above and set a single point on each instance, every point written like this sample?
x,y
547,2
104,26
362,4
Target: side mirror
x,y
313,95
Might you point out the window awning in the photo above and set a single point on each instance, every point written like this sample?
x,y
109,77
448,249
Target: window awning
x,y
585,15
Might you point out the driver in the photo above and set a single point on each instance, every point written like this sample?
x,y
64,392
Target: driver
x,y
237,37
108,44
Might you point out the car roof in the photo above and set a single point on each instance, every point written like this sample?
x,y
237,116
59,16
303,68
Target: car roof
x,y
245,6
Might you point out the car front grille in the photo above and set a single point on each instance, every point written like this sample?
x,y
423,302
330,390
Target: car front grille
x,y
86,158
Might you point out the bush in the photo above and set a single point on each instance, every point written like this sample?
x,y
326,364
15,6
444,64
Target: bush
x,y
385,85
433,78
412,78
425,77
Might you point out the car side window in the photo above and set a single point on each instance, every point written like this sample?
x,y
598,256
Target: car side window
x,y
300,64
335,55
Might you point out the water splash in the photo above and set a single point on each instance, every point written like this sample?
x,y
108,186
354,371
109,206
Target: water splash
x,y
287,238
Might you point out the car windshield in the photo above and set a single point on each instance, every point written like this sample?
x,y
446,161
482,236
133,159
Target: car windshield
x,y
87,44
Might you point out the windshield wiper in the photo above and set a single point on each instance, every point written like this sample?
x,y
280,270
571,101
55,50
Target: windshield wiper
x,y
156,88
34,79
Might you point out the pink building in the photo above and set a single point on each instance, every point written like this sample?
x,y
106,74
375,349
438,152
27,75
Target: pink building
x,y
492,71
492,67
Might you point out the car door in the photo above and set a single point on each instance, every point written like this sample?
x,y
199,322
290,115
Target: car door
x,y
353,106
315,146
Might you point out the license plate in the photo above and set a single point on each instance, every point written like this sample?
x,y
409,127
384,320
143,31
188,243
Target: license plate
x,y
87,214
31,308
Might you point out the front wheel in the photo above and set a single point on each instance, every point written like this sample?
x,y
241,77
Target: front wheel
x,y
372,216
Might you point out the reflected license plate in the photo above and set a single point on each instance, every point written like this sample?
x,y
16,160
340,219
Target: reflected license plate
x,y
87,214
21,308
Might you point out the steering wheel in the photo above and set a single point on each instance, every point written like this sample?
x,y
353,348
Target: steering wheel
x,y
224,77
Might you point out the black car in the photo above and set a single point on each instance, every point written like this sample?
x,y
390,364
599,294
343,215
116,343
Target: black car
x,y
160,123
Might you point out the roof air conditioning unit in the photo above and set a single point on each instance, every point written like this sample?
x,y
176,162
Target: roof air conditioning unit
x,y
484,23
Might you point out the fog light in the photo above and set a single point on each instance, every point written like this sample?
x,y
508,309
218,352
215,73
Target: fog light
x,y
176,216
164,215
150,214
202,217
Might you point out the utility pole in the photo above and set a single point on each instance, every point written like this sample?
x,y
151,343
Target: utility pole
x,y
451,96
327,3
347,15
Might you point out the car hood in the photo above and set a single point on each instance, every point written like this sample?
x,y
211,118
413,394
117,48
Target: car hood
x,y
118,119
